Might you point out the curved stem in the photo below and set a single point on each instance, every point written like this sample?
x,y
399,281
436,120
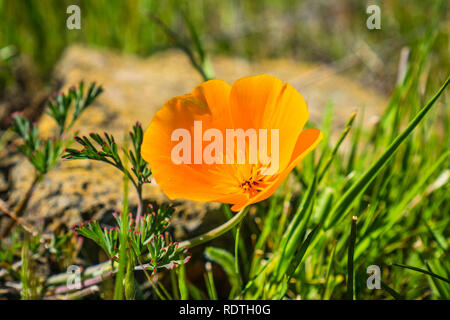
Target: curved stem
x,y
216,232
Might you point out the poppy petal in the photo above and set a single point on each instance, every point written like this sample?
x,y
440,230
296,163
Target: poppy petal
x,y
193,182
306,142
264,102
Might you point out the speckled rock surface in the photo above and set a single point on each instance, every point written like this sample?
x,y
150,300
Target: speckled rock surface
x,y
135,89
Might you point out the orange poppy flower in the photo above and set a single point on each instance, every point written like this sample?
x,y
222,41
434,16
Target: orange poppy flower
x,y
251,104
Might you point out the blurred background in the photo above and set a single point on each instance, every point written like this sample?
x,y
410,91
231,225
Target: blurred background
x,y
33,36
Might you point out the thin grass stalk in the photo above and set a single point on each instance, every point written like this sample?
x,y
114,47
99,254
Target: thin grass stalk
x,y
350,262
364,181
123,240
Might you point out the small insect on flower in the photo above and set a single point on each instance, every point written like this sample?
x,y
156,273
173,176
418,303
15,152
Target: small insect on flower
x,y
230,144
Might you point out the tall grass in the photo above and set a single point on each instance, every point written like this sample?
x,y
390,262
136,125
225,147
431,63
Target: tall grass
x,y
394,179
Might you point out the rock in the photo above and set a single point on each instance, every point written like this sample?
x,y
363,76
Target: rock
x,y
135,89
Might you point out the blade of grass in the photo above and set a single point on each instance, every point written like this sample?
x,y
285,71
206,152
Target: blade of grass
x,y
422,271
301,253
437,237
439,285
209,280
252,280
356,136
25,273
151,282
396,212
344,133
173,281
129,286
236,251
325,294
365,180
226,260
291,238
350,266
123,241
195,292
182,281
392,292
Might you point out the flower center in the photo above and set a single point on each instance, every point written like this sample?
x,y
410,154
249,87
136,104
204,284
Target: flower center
x,y
254,184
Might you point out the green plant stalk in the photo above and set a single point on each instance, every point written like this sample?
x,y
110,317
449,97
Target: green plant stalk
x,y
216,232
291,238
432,274
150,281
283,219
359,186
24,275
326,289
392,292
296,261
236,249
242,250
174,283
442,291
209,280
184,293
203,67
350,266
396,211
169,297
130,289
227,262
270,220
255,277
123,239
344,133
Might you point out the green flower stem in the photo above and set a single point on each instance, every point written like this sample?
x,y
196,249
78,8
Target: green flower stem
x,y
106,269
136,185
123,240
216,232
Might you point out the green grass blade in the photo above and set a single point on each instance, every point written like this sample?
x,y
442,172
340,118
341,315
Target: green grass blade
x,y
350,267
195,292
364,181
123,239
439,285
252,280
392,292
209,280
422,271
325,294
301,252
226,260
184,292
293,234
344,134
437,237
396,212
